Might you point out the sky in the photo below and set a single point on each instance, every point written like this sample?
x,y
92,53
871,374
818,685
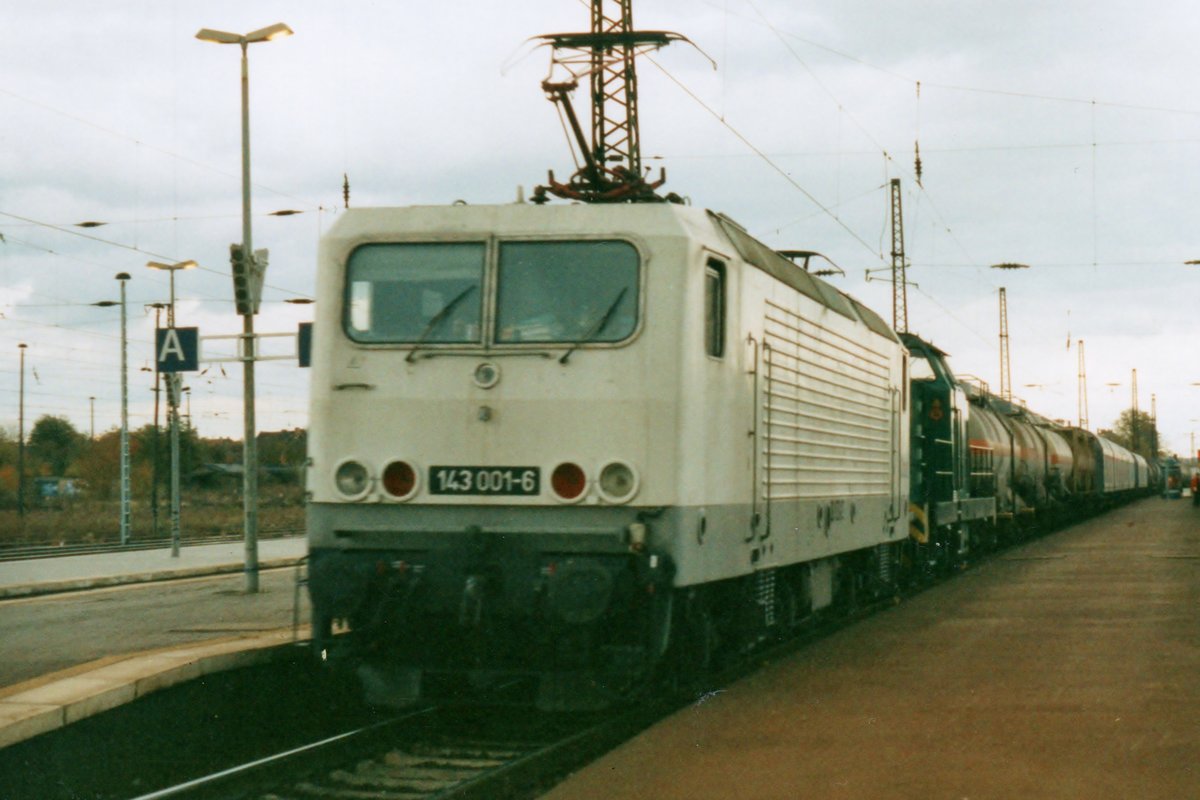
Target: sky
x,y
1063,136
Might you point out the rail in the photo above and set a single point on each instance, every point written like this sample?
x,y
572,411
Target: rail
x,y
429,752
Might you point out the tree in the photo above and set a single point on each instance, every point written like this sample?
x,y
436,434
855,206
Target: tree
x,y
282,448
99,465
54,442
1135,433
8,446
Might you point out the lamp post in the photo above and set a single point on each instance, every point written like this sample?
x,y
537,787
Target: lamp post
x,y
173,406
158,307
122,277
249,446
21,440
124,455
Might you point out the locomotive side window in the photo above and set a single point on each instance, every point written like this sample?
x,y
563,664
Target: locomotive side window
x,y
921,369
415,292
714,308
556,291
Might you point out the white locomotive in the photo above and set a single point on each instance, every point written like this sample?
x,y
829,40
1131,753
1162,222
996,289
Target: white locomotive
x,y
571,444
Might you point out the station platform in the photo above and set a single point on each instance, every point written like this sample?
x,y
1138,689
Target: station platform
x,y
38,576
87,633
1064,668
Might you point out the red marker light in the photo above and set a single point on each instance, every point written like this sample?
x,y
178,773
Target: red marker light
x,y
568,481
399,479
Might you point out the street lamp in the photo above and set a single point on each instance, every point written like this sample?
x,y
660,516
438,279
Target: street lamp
x,y
173,405
249,446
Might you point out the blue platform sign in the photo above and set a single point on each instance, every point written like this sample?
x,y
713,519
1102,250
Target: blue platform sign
x,y
177,349
304,344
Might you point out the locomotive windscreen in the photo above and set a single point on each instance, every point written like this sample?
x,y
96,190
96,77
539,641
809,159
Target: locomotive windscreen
x,y
566,292
544,292
410,292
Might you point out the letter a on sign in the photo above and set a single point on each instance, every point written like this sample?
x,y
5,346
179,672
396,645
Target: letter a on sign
x,y
177,349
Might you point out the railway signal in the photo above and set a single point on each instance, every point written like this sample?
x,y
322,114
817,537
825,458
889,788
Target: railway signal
x,y
248,274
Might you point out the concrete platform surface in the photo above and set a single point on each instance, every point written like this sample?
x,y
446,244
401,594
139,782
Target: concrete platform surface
x,y
49,702
77,647
1067,668
72,573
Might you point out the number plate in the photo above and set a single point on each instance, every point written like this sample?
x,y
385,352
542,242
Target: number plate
x,y
485,480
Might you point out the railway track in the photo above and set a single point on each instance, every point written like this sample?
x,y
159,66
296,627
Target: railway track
x,y
459,753
429,752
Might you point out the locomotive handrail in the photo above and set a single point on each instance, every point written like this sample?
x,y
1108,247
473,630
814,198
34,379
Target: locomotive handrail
x,y
754,438
898,500
766,434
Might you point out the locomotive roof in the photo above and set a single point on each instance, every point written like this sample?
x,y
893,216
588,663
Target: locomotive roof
x,y
768,260
367,224
912,340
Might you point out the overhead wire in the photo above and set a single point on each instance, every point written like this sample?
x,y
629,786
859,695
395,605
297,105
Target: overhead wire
x,y
40,401
123,246
160,150
888,159
766,159
977,89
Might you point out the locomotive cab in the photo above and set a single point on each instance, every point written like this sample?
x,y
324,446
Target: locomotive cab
x,y
945,496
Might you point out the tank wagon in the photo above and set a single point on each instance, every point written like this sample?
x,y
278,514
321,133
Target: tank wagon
x,y
571,444
986,470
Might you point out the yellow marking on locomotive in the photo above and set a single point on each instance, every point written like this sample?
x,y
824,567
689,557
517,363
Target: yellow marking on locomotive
x,y
918,523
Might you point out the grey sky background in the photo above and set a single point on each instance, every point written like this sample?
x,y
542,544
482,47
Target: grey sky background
x,y
1064,136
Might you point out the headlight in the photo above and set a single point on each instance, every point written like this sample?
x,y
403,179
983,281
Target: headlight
x,y
618,482
352,479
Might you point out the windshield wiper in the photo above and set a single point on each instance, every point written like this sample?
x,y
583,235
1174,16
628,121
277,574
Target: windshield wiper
x,y
599,326
436,320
